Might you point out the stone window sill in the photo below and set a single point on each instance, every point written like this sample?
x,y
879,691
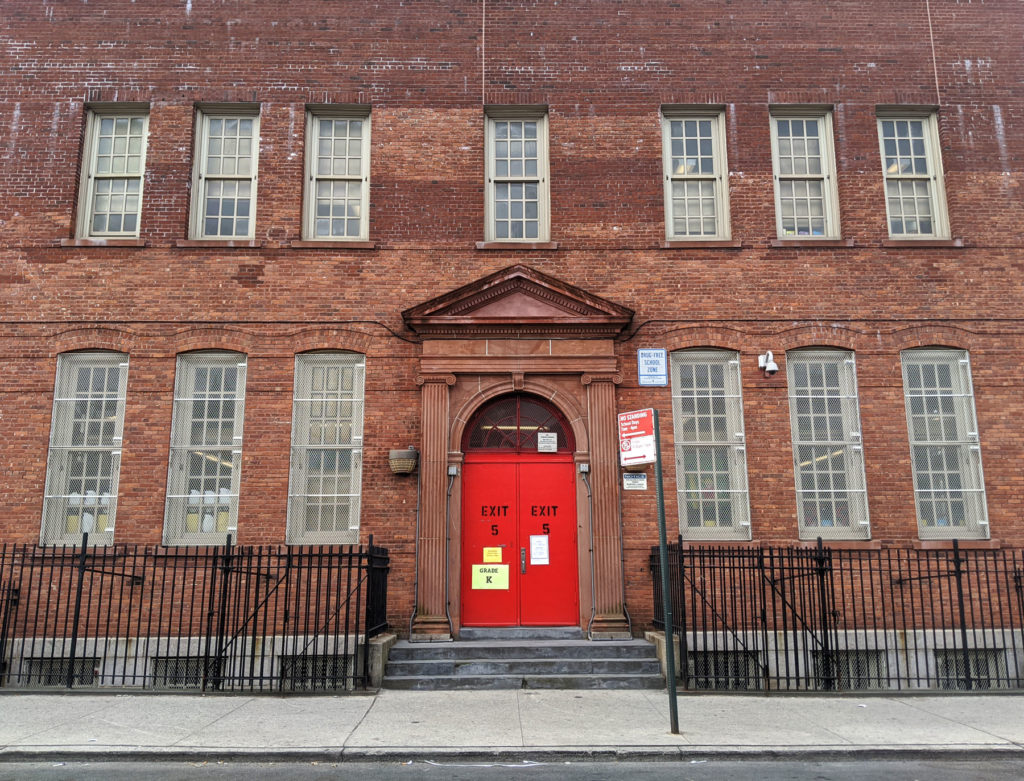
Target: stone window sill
x,y
701,244
812,243
219,243
842,544
513,245
334,244
923,243
103,243
964,544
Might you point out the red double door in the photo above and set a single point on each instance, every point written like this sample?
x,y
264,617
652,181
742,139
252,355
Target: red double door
x,y
519,557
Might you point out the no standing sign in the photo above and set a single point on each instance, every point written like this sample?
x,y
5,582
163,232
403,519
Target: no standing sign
x,y
636,438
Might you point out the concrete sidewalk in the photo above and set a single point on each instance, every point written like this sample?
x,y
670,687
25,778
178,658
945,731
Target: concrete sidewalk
x,y
519,724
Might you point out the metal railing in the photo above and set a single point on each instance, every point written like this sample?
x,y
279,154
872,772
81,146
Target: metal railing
x,y
823,619
223,618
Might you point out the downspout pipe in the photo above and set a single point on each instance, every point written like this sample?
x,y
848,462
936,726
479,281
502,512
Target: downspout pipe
x,y
416,574
585,474
453,472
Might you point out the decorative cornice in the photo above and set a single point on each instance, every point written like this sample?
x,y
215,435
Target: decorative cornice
x,y
615,379
474,311
425,379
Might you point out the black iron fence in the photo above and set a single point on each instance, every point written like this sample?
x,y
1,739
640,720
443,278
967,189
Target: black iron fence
x,y
224,618
823,619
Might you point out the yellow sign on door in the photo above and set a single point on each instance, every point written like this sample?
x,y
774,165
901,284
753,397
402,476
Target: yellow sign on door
x,y
492,555
490,576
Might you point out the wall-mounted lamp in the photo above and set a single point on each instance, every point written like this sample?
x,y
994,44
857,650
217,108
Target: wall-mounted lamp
x,y
767,362
403,462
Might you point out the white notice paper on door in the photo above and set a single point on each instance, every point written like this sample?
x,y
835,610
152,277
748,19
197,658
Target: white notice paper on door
x,y
539,549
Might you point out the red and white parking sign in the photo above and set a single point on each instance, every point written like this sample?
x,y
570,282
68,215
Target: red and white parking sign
x,y
636,437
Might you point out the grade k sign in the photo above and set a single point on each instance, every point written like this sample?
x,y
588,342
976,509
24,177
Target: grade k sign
x,y
636,438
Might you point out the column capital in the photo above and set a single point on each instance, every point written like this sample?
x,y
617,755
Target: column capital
x,y
424,379
614,378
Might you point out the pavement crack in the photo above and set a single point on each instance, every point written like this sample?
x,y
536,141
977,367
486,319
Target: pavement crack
x,y
359,722
208,724
519,717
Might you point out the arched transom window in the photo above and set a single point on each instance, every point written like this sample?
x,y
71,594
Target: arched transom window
x,y
512,424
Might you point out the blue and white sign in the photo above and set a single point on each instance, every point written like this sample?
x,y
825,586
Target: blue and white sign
x,y
652,366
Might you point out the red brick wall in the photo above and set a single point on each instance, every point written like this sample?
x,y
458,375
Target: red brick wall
x,y
603,69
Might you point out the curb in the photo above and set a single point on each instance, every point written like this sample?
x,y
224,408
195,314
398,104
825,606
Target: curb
x,y
512,754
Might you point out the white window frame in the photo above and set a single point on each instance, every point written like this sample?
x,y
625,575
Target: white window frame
x,y
718,178
314,178
827,176
814,404
960,445
538,114
200,516
69,508
201,180
701,452
933,178
92,175
305,401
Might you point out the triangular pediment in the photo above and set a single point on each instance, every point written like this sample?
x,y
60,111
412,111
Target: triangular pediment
x,y
518,301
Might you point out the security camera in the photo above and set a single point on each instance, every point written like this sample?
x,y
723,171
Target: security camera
x,y
767,362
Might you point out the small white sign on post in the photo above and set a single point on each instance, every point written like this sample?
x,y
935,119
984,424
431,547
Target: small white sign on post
x,y
652,367
634,481
636,438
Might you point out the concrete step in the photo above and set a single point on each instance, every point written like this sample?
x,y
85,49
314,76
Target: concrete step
x,y
471,667
624,681
499,660
520,633
503,649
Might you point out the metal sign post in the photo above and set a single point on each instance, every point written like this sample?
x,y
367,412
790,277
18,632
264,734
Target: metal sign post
x,y
666,593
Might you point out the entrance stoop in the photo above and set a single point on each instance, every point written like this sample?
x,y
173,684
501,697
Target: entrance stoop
x,y
523,658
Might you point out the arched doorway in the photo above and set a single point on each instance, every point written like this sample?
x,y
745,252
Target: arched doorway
x,y
519,557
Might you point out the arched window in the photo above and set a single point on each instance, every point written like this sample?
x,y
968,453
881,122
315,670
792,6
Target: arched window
x,y
512,423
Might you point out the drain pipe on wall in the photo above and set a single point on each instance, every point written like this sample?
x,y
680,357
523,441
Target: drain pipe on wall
x,y
622,560
453,472
585,474
416,574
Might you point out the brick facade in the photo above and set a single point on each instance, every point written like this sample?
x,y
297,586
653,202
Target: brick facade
x,y
604,71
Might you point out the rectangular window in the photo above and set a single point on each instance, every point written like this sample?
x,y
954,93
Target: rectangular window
x,y
224,186
711,459
696,176
113,164
206,449
912,167
84,460
327,449
944,450
517,174
806,201
337,174
827,451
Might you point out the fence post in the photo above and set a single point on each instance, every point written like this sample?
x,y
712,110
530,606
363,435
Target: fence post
x,y
222,618
371,583
828,668
684,658
958,576
78,611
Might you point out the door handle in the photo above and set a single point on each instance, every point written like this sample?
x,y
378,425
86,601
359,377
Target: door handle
x,y
522,560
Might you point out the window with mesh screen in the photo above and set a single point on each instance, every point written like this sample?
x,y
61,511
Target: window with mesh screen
x,y
827,451
521,424
206,449
327,449
945,454
711,458
84,459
